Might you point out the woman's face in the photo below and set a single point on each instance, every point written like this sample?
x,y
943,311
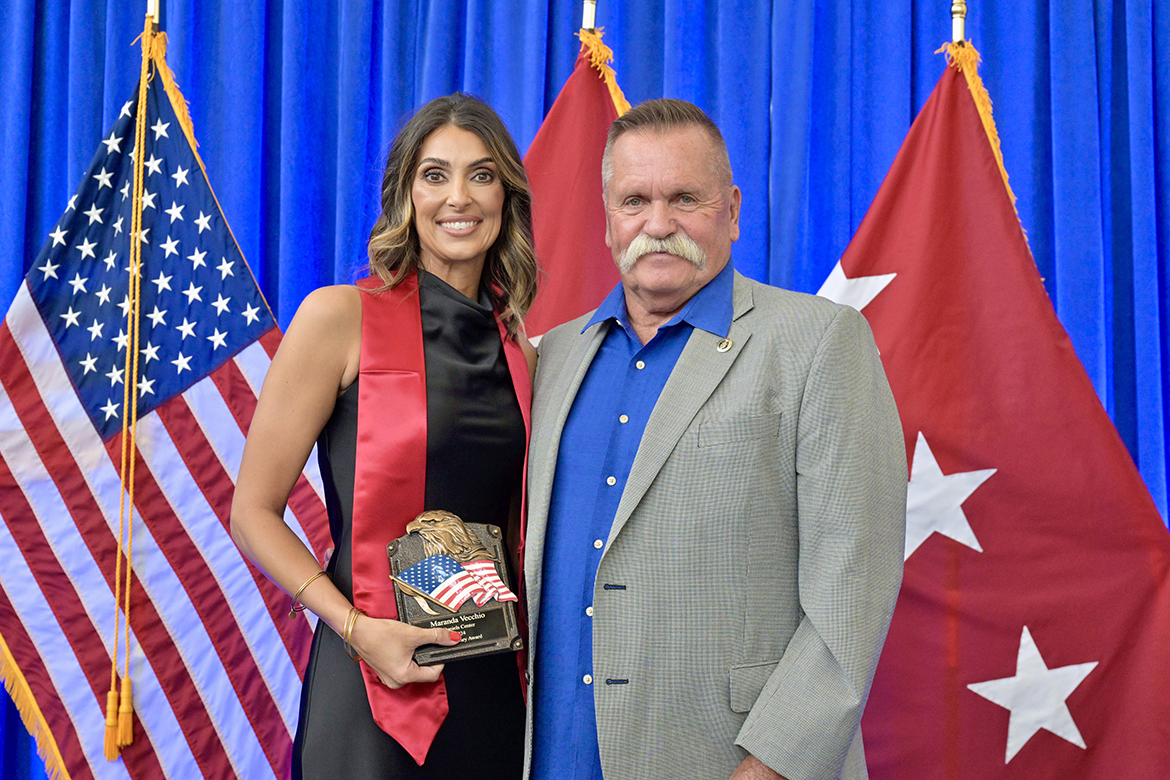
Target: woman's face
x,y
458,201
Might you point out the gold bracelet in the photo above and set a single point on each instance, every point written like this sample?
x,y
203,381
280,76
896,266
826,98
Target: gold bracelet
x,y
347,632
296,607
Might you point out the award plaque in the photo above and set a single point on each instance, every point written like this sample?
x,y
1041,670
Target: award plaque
x,y
451,575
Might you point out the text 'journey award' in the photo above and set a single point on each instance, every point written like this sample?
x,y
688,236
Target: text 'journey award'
x,y
451,575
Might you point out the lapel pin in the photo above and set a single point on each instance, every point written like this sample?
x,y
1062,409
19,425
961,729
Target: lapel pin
x,y
723,345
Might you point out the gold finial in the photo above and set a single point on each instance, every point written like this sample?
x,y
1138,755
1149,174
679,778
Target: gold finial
x,y
589,15
958,21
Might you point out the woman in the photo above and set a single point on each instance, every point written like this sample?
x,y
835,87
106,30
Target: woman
x,y
409,382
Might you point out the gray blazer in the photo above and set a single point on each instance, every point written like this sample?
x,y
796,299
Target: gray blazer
x,y
759,540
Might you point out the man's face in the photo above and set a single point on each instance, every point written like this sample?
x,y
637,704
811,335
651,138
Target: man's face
x,y
665,186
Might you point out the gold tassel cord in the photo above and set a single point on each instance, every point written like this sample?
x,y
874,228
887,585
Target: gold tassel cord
x,y
964,57
31,715
600,57
119,709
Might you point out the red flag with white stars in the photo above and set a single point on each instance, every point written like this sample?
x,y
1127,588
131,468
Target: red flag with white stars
x,y
1032,634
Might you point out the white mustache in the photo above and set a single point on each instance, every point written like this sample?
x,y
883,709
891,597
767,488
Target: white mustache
x,y
677,244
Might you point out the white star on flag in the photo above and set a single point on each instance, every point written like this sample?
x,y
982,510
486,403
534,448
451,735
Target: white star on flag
x,y
49,269
86,248
104,293
251,313
72,203
187,329
196,259
853,292
182,363
217,339
220,304
103,179
70,317
125,109
225,269
154,164
94,214
934,501
156,317
171,245
90,363
204,222
113,144
175,211
115,376
180,176
95,330
58,236
1036,697
78,283
160,129
192,293
145,386
111,409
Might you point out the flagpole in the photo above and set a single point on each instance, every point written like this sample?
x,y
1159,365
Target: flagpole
x,y
589,15
958,21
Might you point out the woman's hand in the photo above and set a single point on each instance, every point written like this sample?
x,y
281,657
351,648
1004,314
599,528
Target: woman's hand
x,y
388,646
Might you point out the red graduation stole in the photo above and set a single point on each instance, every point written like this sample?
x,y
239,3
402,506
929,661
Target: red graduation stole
x,y
390,482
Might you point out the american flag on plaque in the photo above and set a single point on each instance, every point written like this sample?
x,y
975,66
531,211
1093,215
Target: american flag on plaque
x,y
216,665
443,579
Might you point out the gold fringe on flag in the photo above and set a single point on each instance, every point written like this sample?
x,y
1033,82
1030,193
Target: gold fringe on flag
x,y
34,720
966,59
600,57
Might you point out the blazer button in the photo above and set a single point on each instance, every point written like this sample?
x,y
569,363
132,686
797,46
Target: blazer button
x,y
598,544
587,679
589,611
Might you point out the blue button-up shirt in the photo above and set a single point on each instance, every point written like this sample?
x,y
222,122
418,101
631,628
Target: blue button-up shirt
x,y
598,445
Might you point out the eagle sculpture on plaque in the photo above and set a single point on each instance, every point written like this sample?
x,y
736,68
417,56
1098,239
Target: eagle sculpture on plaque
x,y
452,575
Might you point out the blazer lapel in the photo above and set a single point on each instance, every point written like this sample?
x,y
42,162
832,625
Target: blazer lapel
x,y
700,369
542,458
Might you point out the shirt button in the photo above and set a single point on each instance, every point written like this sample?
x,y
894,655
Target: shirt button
x,y
640,365
611,480
598,543
587,679
623,419
589,611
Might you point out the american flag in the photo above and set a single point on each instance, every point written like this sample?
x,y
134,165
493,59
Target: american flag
x,y
485,572
216,663
445,580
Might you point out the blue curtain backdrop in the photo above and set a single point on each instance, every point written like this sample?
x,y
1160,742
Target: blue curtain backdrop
x,y
295,104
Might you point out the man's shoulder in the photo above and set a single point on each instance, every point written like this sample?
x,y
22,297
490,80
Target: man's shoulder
x,y
564,334
770,302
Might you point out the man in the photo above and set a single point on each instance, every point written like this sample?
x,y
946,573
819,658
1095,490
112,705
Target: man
x,y
716,498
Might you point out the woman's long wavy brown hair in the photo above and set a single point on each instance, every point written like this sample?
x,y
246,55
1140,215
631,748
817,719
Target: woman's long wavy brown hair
x,y
510,267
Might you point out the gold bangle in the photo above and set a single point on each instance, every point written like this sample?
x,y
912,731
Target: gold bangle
x,y
296,607
347,632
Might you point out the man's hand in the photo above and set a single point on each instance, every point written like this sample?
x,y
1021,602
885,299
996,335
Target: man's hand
x,y
752,768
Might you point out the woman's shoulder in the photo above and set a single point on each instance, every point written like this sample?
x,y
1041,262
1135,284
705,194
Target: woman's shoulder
x,y
336,302
328,327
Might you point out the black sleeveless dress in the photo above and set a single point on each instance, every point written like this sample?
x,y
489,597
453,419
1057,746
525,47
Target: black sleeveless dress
x,y
475,457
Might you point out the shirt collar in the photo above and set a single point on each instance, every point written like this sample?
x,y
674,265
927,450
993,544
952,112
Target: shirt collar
x,y
709,309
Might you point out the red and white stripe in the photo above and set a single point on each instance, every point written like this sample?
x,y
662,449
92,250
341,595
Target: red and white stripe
x,y
489,578
457,588
216,663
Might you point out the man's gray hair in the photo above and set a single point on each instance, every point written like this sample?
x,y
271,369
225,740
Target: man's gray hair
x,y
660,116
